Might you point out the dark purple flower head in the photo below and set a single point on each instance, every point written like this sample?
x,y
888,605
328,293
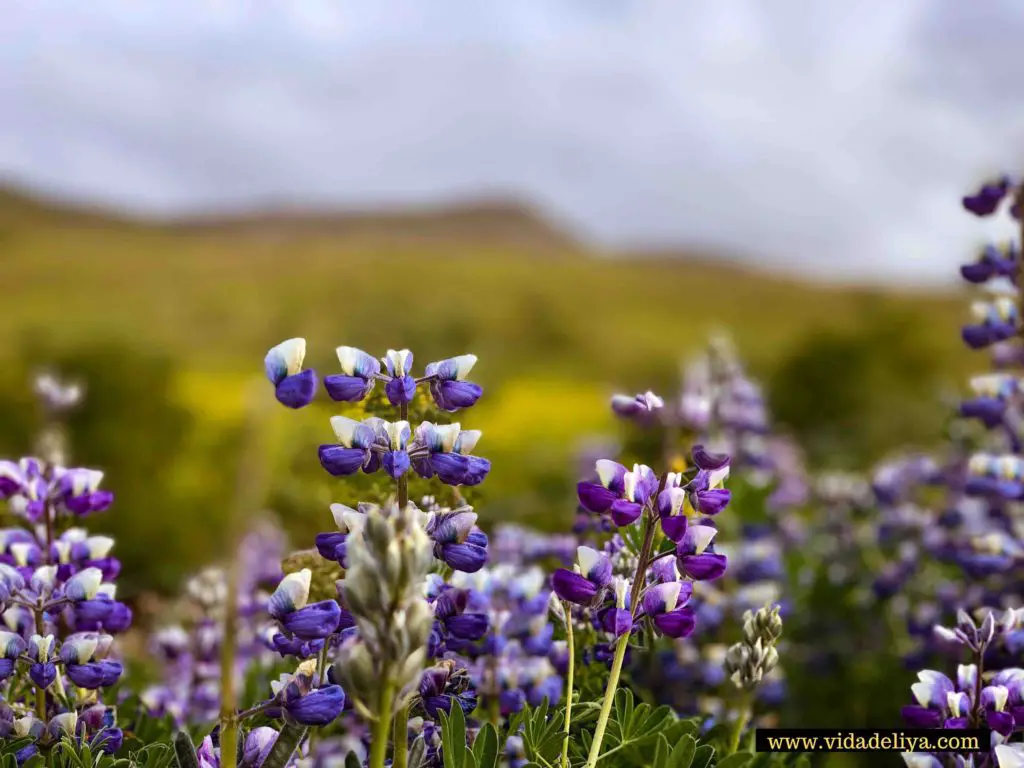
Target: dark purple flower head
x,y
457,540
256,748
320,706
448,385
695,555
620,492
293,386
587,583
313,622
444,451
401,387
987,199
643,408
358,372
666,604
353,450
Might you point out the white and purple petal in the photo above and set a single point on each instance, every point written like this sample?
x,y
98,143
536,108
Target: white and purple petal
x,y
284,360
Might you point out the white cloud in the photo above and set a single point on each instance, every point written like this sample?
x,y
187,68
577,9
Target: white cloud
x,y
830,137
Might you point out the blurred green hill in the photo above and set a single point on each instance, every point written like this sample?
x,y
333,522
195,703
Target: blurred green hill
x,y
167,320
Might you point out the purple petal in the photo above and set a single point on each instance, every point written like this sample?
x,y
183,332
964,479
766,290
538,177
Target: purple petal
x,y
707,460
313,622
676,624
452,395
320,707
347,389
921,717
626,512
572,587
297,391
468,626
674,527
396,463
705,567
341,461
713,502
468,558
595,498
400,391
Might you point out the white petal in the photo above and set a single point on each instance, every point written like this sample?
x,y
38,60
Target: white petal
x,y
587,558
463,365
344,428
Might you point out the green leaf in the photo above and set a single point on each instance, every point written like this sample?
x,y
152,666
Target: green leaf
x,y
287,741
351,761
702,757
417,755
485,748
453,738
737,760
661,752
683,753
185,751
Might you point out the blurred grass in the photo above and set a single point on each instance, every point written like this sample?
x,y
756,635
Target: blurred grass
x,y
167,323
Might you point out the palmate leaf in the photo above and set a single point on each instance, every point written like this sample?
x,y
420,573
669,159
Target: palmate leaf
x,y
633,730
542,733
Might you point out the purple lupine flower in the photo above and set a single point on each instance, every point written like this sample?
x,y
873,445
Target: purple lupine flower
x,y
293,386
443,686
586,584
448,385
444,451
78,491
695,555
401,387
451,617
457,540
987,199
992,395
673,507
353,451
991,263
617,617
206,755
619,491
994,321
666,604
392,438
643,407
706,492
257,746
940,702
313,622
358,372
321,706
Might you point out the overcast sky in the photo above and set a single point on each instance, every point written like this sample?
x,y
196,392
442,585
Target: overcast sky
x,y
827,136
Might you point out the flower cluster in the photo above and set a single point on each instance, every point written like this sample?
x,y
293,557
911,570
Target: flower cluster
x,y
58,602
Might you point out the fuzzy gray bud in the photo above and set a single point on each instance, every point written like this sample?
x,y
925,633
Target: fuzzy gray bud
x,y
389,558
748,661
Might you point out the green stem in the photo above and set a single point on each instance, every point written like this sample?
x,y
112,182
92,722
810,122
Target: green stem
x,y
742,718
40,692
248,496
620,649
609,700
403,481
568,681
401,738
381,726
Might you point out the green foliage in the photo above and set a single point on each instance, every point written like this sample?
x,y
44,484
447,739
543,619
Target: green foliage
x,y
849,396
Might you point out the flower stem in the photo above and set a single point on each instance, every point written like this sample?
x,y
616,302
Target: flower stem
x,y
249,494
381,726
742,718
401,738
609,699
40,692
568,681
403,481
620,650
